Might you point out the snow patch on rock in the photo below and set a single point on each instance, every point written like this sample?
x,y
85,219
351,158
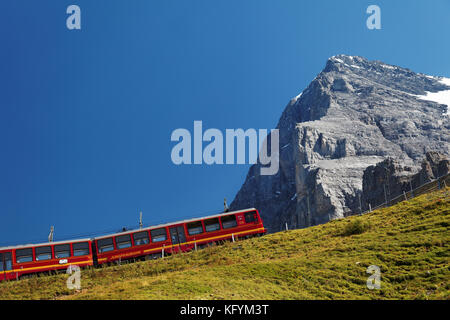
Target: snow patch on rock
x,y
441,97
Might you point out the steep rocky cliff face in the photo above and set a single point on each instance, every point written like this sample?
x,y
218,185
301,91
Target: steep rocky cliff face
x,y
354,114
389,178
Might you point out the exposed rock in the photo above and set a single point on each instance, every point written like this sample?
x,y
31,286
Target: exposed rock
x,y
436,165
354,114
389,179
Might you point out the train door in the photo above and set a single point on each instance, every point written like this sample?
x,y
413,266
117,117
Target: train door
x,y
94,253
178,237
5,262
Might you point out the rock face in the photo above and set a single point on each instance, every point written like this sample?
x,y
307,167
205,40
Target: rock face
x,y
353,115
389,178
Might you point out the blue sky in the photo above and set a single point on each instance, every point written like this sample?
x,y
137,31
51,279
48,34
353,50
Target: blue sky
x,y
86,115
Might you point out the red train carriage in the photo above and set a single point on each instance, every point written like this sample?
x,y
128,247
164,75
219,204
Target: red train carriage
x,y
178,236
149,242
26,259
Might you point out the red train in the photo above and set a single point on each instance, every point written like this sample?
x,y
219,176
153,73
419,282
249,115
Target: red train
x,y
148,243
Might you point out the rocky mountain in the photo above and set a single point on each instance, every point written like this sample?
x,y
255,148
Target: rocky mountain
x,y
354,114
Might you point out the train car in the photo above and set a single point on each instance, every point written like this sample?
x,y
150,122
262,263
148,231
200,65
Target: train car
x,y
181,236
17,261
151,242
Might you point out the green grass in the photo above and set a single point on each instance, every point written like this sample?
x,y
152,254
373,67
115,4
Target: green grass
x,y
409,242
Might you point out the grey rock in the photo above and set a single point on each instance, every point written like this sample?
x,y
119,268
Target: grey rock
x,y
389,178
353,115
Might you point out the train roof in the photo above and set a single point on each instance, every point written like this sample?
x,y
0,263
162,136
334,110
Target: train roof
x,y
124,232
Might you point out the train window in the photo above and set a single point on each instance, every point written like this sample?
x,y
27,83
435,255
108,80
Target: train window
x,y
43,253
80,249
229,221
5,261
123,242
212,224
159,235
105,245
195,228
24,255
62,251
250,217
140,238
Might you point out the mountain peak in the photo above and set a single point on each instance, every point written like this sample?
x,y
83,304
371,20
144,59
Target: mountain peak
x,y
354,114
399,78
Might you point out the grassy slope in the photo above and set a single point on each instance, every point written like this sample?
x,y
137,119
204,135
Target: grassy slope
x,y
409,242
